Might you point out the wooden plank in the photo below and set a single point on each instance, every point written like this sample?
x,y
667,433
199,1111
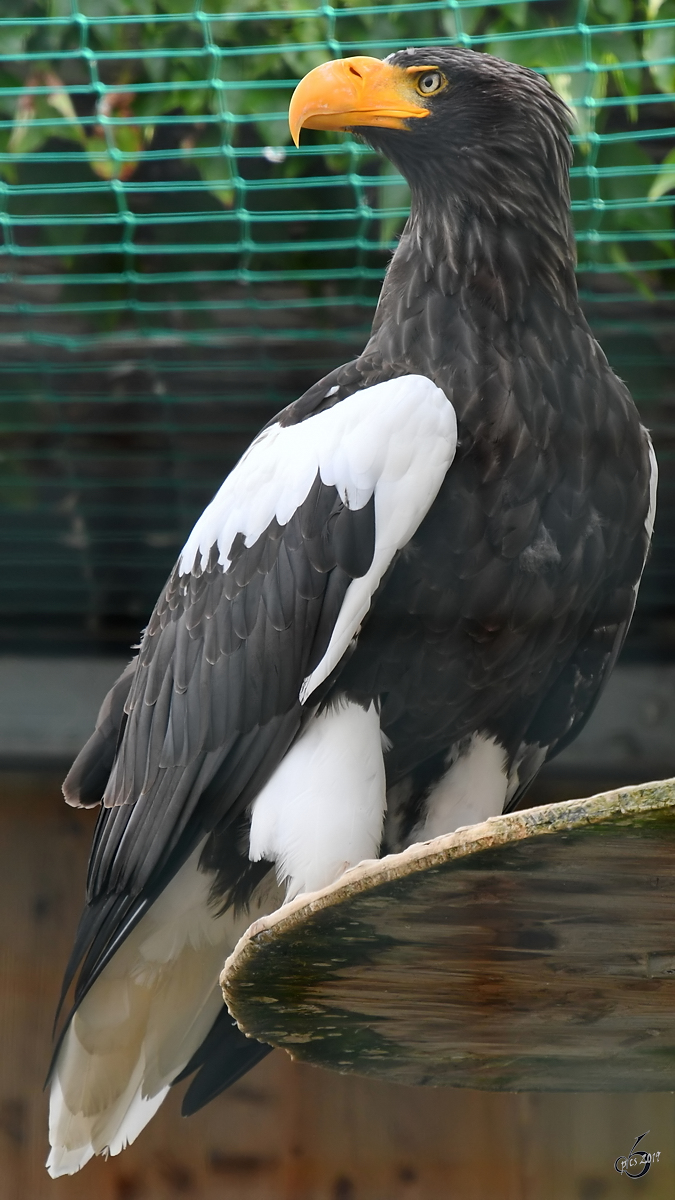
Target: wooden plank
x,y
533,952
287,1131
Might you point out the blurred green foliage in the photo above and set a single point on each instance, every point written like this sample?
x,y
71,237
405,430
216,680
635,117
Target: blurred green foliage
x,y
143,146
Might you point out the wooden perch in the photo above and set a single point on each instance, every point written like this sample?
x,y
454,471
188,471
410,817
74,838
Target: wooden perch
x,y
532,952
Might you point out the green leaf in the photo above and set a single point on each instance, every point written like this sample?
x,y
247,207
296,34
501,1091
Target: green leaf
x,y
659,44
216,173
393,197
665,180
620,11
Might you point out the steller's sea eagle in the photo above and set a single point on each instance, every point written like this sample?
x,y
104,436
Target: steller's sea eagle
x,y
406,596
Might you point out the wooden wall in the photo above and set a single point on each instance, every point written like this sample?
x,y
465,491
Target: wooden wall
x,y
285,1132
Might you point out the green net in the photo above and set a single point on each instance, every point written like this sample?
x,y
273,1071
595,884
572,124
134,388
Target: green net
x,y
174,269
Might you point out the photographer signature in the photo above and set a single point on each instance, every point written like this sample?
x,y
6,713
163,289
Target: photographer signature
x,y
643,1160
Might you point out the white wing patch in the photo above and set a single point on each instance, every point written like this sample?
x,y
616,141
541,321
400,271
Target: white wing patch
x,y
395,439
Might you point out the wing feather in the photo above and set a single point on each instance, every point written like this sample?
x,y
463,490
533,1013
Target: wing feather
x,y
213,701
85,783
577,684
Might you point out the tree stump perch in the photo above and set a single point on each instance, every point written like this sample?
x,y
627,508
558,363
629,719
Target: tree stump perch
x,y
532,952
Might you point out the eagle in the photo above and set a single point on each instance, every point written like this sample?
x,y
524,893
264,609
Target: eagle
x,y
406,596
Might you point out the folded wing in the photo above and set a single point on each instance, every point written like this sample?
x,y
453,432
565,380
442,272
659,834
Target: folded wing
x,y
258,615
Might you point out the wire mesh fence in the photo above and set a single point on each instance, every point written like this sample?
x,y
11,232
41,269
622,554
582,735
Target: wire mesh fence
x,y
174,269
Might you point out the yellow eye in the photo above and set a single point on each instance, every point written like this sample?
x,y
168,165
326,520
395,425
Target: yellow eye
x,y
429,82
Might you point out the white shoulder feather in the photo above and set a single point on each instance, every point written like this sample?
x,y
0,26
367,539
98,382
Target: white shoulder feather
x,y
395,440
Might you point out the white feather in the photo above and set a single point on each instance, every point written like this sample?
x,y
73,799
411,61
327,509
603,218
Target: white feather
x,y
142,1020
473,789
395,439
653,485
323,809
651,510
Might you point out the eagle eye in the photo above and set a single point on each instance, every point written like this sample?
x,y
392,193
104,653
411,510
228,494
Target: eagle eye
x,y
430,82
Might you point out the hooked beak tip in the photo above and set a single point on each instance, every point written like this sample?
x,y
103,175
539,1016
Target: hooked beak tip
x,y
353,92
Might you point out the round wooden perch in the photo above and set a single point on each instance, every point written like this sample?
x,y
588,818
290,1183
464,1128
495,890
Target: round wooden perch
x,y
532,952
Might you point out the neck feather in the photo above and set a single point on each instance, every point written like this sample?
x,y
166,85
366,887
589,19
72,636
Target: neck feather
x,y
494,267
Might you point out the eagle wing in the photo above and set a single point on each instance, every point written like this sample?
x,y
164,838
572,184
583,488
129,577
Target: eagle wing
x,y
573,692
260,611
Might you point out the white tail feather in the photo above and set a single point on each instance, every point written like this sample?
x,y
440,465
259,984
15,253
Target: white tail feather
x,y
143,1019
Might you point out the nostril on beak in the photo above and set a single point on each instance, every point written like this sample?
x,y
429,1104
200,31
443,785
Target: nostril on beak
x,y
354,71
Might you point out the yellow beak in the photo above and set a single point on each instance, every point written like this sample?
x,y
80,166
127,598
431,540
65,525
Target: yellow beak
x,y
355,91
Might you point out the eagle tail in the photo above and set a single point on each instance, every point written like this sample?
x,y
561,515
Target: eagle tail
x,y
223,1057
144,1019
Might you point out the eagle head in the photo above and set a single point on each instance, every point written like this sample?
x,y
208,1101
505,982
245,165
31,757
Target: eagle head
x,y
455,122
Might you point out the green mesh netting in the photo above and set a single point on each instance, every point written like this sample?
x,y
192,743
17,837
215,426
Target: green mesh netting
x,y
174,270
